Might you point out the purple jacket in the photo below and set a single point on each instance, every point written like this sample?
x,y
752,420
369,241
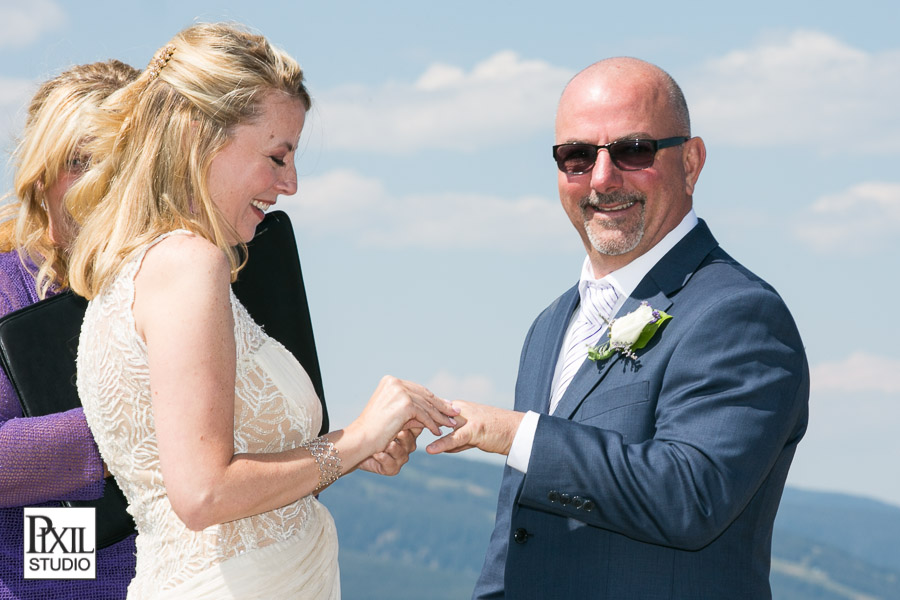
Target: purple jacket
x,y
44,460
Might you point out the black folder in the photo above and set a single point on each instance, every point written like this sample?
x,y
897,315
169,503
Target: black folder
x,y
39,343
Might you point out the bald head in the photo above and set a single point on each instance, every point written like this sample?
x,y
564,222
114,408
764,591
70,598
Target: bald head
x,y
614,75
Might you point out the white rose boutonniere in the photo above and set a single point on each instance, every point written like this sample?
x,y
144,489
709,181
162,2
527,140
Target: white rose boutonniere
x,y
630,332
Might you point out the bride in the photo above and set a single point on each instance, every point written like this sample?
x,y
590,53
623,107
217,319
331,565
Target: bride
x,y
205,421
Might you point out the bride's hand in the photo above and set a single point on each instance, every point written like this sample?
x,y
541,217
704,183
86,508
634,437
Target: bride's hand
x,y
391,460
397,405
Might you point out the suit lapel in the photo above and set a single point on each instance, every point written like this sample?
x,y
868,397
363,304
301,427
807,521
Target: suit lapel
x,y
668,276
560,315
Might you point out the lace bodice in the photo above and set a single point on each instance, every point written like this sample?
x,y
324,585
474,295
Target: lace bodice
x,y
276,409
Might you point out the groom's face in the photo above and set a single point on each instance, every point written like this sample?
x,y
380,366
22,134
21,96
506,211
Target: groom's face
x,y
621,214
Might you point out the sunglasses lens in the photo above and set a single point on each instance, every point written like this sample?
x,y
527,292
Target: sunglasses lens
x,y
575,159
633,155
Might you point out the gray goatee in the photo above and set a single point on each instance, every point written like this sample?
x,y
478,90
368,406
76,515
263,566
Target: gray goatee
x,y
614,237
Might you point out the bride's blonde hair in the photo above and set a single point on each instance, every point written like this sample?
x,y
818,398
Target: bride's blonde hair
x,y
156,140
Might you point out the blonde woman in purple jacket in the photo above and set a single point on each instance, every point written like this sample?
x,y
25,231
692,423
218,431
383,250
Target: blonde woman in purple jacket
x,y
46,459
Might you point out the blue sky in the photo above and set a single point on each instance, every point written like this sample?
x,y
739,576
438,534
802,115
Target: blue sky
x,y
428,220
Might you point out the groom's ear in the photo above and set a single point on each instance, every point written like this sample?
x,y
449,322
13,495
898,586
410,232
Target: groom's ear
x,y
693,158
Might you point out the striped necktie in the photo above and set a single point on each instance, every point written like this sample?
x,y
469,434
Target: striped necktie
x,y
598,298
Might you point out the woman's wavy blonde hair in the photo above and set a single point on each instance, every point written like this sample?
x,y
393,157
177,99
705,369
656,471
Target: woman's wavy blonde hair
x,y
157,138
56,127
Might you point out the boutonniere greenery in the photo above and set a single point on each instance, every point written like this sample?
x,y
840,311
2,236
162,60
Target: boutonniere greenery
x,y
630,332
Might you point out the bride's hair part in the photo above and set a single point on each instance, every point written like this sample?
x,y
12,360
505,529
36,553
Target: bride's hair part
x,y
56,125
157,139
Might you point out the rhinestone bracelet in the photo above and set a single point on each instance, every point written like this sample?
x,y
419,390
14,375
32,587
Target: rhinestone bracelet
x,y
327,459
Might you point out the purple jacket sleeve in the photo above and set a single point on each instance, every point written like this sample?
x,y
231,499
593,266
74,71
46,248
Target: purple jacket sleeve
x,y
48,458
53,457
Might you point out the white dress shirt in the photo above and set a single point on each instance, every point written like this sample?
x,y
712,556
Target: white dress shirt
x,y
625,280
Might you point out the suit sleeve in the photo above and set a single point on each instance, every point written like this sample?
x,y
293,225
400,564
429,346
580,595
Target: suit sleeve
x,y
729,386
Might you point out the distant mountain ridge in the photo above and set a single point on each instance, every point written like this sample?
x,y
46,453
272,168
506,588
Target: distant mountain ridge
x,y
422,535
862,527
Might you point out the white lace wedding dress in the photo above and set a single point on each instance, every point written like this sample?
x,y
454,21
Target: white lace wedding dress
x,y
290,552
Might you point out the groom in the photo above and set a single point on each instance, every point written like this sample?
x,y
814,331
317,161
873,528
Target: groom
x,y
654,471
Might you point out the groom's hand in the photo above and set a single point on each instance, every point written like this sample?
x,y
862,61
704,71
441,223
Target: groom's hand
x,y
391,460
488,428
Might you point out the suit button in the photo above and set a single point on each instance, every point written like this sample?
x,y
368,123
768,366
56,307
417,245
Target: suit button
x,y
577,501
588,505
564,499
521,535
553,496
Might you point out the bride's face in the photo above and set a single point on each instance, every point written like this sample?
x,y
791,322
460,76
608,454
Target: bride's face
x,y
256,165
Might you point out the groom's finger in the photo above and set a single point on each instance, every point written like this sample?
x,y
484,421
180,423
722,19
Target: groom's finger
x,y
456,441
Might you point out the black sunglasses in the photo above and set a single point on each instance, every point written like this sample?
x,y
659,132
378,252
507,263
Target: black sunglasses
x,y
628,155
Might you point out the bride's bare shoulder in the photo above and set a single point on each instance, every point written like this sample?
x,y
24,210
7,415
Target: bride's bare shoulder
x,y
181,274
186,256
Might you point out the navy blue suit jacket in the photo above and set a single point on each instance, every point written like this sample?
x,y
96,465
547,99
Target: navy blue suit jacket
x,y
660,477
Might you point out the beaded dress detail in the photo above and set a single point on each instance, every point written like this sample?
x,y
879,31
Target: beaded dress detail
x,y
276,409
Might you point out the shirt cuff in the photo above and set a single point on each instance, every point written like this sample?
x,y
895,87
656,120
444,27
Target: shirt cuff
x,y
520,452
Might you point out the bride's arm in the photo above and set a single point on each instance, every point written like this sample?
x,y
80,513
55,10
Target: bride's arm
x,y
182,311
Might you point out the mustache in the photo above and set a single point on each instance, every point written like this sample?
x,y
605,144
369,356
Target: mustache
x,y
597,200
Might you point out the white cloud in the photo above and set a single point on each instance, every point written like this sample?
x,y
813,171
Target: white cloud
x,y
860,219
14,95
343,202
338,195
472,388
23,23
501,99
805,86
858,373
851,443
